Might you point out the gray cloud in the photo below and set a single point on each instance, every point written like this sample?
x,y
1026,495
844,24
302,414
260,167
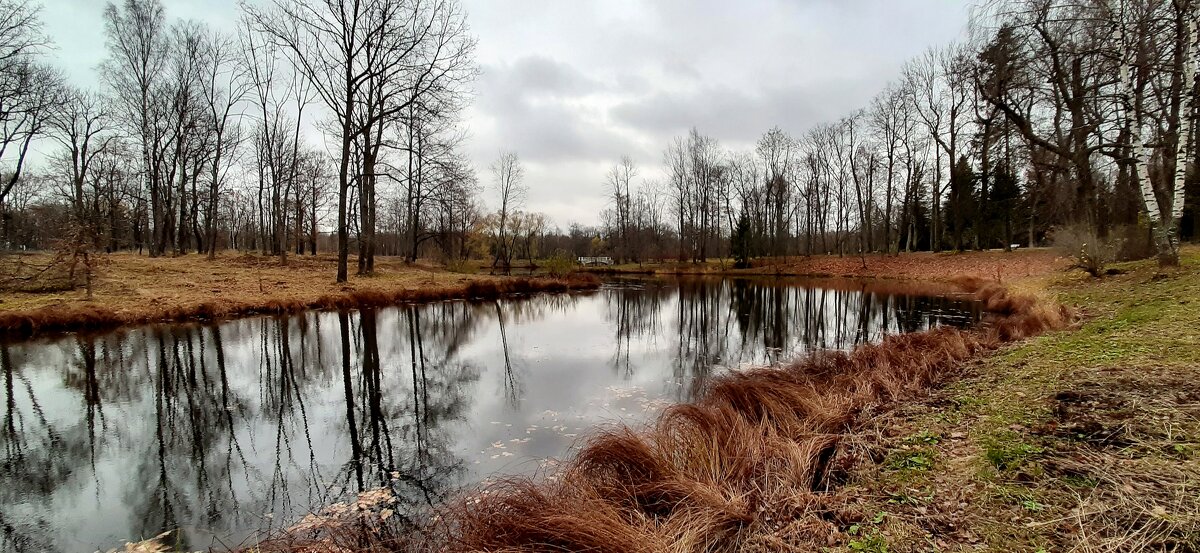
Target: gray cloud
x,y
537,107
571,86
627,76
539,75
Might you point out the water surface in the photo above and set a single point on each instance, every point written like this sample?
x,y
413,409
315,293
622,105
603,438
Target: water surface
x,y
226,429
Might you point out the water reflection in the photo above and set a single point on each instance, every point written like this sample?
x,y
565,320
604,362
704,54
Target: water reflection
x,y
221,430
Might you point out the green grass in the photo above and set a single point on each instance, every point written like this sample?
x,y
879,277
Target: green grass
x,y
1013,466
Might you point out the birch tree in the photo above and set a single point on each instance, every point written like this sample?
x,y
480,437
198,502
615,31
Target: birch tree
x,y
1131,44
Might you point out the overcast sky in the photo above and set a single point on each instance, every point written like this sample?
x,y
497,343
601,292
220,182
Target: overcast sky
x,y
573,85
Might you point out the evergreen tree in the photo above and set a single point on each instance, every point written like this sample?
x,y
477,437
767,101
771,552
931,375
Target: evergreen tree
x,y
1002,205
740,243
960,205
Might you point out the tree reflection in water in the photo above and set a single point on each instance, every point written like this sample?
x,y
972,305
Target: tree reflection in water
x,y
216,431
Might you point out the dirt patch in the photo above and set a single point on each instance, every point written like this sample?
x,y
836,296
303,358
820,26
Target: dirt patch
x,y
1128,412
1126,447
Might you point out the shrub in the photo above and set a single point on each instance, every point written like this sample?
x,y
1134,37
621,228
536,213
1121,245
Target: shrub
x,y
559,264
1087,250
460,265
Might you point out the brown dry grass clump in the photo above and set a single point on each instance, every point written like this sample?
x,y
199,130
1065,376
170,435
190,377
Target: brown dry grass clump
x,y
138,290
747,467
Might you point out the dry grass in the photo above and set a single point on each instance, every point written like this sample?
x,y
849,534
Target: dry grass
x,y
924,266
133,289
754,465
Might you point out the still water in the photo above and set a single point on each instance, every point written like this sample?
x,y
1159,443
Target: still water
x,y
221,430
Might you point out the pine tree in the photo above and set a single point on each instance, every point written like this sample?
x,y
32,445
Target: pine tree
x,y
1002,205
740,243
960,205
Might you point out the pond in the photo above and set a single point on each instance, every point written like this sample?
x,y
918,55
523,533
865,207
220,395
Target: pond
x,y
221,430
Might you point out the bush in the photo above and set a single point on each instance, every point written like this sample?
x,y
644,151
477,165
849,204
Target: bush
x,y
1088,251
559,264
460,265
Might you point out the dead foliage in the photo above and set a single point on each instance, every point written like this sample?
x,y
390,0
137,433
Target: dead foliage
x,y
1125,438
23,273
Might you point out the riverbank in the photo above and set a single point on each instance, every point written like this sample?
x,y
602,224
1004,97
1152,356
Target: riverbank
x,y
133,289
1088,440
925,266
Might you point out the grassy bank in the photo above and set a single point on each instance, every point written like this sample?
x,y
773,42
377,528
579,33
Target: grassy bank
x,y
924,266
1080,441
133,289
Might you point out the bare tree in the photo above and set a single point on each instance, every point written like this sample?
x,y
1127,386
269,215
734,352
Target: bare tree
x,y
28,89
367,61
139,52
223,86
507,175
1138,76
618,181
776,152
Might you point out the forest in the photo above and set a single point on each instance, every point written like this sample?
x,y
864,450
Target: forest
x,y
1050,122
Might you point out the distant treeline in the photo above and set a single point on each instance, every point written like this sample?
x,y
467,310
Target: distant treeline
x,y
1053,114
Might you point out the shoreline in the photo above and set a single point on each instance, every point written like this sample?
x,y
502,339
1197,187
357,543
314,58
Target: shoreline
x,y
136,290
113,310
907,266
707,471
